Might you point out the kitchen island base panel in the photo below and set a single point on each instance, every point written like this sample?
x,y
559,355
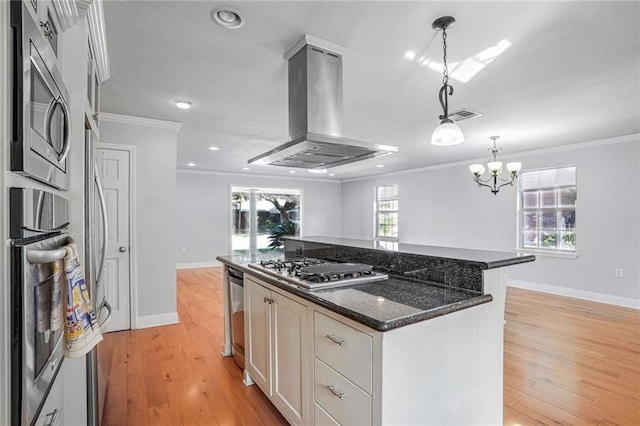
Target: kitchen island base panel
x,y
452,377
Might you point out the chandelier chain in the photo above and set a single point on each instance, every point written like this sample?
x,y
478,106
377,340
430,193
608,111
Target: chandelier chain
x,y
445,77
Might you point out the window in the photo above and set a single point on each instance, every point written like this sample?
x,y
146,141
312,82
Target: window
x,y
260,215
547,210
386,212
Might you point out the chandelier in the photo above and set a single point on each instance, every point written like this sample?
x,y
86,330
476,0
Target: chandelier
x,y
447,133
494,181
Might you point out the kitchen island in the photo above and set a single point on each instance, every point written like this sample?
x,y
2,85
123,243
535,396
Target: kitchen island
x,y
422,347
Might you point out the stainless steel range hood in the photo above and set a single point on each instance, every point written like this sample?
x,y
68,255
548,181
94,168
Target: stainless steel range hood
x,y
315,113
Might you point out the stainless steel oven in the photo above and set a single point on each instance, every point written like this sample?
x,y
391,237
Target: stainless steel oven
x,y
38,220
41,123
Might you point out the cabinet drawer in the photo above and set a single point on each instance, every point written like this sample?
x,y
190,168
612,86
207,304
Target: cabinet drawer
x,y
345,349
321,418
347,403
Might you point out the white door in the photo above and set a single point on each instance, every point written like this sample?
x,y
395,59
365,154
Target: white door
x,y
114,172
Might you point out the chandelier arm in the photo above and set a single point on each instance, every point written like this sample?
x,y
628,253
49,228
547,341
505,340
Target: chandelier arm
x,y
491,188
505,184
489,179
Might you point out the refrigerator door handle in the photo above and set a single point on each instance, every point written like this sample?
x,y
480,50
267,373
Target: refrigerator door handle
x,y
103,210
103,324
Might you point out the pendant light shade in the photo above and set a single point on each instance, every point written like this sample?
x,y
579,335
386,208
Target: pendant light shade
x,y
447,133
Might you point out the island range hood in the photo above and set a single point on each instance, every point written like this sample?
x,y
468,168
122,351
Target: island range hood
x,y
315,113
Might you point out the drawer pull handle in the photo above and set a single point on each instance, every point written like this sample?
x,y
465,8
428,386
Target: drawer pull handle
x,y
335,391
53,416
335,340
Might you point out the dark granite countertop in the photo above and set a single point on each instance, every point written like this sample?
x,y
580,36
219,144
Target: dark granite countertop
x,y
483,258
381,305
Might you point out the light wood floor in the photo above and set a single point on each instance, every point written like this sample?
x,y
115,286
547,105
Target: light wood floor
x,y
567,362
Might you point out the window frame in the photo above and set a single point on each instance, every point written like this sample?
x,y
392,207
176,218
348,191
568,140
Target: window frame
x,y
377,212
550,252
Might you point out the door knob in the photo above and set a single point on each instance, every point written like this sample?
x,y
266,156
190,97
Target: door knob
x,y
122,249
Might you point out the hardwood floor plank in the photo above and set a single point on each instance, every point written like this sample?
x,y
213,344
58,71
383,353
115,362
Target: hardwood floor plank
x,y
566,362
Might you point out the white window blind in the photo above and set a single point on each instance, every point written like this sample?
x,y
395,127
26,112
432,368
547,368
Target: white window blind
x,y
386,212
547,210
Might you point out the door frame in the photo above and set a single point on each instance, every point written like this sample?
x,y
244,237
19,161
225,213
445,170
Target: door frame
x,y
300,189
133,247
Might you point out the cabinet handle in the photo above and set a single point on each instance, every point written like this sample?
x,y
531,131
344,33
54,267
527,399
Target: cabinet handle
x,y
335,391
335,340
53,416
264,299
268,300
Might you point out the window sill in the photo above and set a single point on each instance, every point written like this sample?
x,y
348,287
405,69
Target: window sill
x,y
545,253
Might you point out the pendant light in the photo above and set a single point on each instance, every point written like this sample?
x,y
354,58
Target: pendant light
x,y
447,133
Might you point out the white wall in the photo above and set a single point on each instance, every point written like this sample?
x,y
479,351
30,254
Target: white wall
x,y
204,209
442,207
155,145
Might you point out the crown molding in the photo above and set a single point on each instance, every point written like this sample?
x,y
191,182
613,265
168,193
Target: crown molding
x,y
83,5
66,14
97,37
140,121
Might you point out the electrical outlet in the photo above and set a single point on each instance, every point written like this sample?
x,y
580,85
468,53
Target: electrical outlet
x,y
619,273
183,249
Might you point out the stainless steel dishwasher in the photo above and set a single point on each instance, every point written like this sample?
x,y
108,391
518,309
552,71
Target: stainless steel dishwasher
x,y
236,287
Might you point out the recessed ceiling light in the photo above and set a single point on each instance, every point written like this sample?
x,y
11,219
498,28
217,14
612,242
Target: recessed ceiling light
x,y
227,17
292,171
182,104
214,148
380,165
332,174
191,164
317,171
246,168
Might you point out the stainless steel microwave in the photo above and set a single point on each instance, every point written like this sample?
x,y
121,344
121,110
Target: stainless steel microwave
x,y
41,133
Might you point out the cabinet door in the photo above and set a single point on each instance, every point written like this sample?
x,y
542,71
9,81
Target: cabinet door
x,y
258,334
290,366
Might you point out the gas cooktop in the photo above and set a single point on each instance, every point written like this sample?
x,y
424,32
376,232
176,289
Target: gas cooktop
x,y
313,274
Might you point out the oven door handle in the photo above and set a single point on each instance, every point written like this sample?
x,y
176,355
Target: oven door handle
x,y
46,256
47,118
67,130
62,227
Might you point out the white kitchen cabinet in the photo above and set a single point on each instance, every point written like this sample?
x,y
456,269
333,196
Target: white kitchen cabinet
x,y
277,357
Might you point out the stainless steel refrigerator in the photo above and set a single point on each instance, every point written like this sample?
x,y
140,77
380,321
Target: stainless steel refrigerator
x,y
95,247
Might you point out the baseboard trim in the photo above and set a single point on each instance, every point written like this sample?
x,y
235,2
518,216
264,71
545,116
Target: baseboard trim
x,y
195,265
578,294
157,320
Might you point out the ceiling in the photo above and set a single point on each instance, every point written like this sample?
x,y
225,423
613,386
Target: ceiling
x,y
571,74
